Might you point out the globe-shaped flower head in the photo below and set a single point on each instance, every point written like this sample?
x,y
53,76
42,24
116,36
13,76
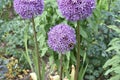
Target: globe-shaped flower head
x,y
61,38
75,10
28,8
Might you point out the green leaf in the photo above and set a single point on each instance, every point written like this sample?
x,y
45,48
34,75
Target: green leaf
x,y
114,45
113,61
117,29
116,77
68,55
83,33
44,50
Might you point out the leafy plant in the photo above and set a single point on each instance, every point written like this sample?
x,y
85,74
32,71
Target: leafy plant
x,y
17,36
3,67
113,64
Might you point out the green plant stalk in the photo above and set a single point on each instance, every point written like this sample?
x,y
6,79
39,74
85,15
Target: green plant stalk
x,y
61,67
109,4
78,51
26,55
36,49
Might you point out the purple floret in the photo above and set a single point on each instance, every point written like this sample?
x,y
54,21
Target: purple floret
x,y
74,10
28,8
61,38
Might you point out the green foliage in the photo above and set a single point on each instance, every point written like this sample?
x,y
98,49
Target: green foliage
x,y
3,3
101,36
95,37
3,67
113,64
13,38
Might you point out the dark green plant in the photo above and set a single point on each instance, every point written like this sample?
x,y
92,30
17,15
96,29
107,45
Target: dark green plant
x,y
112,65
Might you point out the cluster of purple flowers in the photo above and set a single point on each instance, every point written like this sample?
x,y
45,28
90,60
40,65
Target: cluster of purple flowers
x,y
74,10
61,38
28,8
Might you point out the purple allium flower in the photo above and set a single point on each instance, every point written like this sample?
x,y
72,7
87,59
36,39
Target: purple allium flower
x,y
61,38
28,8
75,10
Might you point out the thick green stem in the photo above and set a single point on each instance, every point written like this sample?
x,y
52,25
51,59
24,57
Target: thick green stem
x,y
78,51
61,67
109,4
36,50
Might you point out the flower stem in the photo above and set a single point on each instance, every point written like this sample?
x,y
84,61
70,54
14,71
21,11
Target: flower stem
x,y
109,4
61,67
36,49
78,51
